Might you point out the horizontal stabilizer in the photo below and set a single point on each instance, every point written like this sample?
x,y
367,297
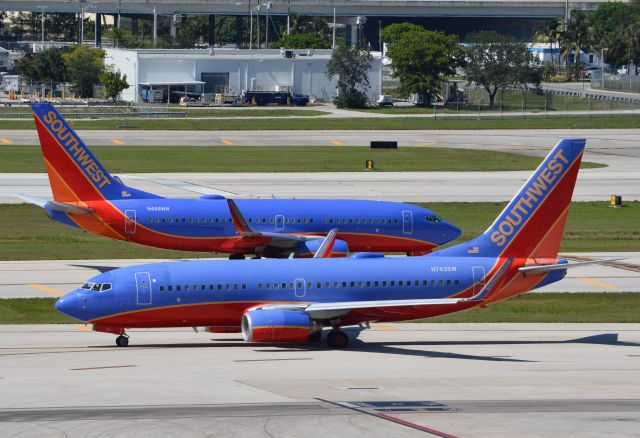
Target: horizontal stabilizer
x,y
61,207
539,269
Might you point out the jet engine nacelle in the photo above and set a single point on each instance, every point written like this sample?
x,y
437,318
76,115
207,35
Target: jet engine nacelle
x,y
278,326
309,248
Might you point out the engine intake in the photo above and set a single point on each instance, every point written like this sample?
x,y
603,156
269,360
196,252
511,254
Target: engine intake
x,y
278,326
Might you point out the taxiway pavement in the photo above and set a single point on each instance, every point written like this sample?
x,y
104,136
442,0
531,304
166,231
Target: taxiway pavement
x,y
618,149
51,278
400,380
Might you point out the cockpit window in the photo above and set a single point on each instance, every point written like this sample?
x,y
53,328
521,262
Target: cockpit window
x,y
97,287
433,219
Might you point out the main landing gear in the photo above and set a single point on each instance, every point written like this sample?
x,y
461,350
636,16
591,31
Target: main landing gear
x,y
236,257
337,339
122,340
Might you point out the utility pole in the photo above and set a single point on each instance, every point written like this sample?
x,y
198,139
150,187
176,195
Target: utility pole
x,y
333,34
266,35
289,18
155,25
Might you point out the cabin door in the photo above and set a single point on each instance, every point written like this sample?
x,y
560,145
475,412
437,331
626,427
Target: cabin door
x,y
407,222
478,278
279,222
301,287
143,288
130,221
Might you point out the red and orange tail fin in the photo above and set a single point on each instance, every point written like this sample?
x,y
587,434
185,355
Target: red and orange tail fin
x,y
75,173
532,224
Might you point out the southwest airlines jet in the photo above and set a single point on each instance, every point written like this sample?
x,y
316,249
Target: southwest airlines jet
x,y
292,300
86,196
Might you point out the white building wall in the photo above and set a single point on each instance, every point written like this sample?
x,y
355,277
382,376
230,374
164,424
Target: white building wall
x,y
305,74
127,62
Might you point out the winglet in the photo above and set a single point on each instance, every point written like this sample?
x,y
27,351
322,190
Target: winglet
x,y
491,284
241,224
325,248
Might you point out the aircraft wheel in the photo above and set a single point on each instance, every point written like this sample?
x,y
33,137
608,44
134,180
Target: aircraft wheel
x,y
337,339
315,336
122,341
236,257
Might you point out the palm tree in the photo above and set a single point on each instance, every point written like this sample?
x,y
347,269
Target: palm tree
x,y
549,32
575,38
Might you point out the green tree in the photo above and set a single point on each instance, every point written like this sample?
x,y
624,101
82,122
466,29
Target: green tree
x,y
192,29
84,64
301,41
421,58
114,82
495,61
45,67
351,67
612,26
125,39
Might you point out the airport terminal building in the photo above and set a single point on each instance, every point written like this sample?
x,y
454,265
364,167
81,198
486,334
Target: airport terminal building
x,y
154,74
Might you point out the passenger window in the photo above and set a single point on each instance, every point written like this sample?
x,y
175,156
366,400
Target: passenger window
x,y
311,220
211,287
324,221
395,221
384,283
217,220
416,283
235,286
271,220
309,285
350,221
284,286
184,219
336,285
186,288
393,283
164,220
244,286
368,284
330,221
203,287
276,286
259,286
170,220
190,220
268,286
161,288
425,283
170,288
157,220
178,288
441,282
344,284
357,221
353,284
327,285
291,285
433,283
195,288
150,220
399,283
376,283
457,282
219,287
318,285
227,286
448,282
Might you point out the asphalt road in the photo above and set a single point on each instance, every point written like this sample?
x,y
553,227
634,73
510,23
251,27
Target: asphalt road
x,y
400,380
51,278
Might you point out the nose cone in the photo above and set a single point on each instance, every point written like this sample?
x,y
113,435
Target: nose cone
x,y
449,232
68,304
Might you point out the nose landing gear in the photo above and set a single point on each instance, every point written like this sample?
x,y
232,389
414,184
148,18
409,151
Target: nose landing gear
x,y
122,340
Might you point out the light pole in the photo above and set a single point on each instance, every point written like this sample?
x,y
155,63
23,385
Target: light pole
x,y
266,21
42,8
604,49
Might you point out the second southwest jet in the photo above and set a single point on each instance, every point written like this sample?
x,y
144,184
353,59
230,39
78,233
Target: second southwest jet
x,y
86,196
292,300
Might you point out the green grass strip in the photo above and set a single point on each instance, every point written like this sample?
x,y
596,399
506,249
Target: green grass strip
x,y
279,159
27,233
555,307
553,121
532,307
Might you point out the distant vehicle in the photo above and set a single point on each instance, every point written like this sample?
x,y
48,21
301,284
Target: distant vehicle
x,y
384,100
86,196
262,98
292,300
589,70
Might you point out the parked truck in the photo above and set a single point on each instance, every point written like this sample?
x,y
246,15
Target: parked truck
x,y
262,98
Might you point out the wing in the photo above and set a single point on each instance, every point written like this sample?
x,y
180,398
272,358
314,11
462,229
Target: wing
x,y
182,185
56,206
256,238
324,311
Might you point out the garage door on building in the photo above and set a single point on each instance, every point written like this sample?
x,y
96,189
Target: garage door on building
x,y
215,82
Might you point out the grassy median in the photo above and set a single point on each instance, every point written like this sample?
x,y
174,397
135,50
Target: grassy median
x,y
466,121
551,307
130,159
28,234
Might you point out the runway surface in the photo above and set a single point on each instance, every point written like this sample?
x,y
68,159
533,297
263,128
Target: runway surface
x,y
619,149
400,380
50,278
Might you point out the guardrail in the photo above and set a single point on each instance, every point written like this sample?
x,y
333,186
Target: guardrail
x,y
148,115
